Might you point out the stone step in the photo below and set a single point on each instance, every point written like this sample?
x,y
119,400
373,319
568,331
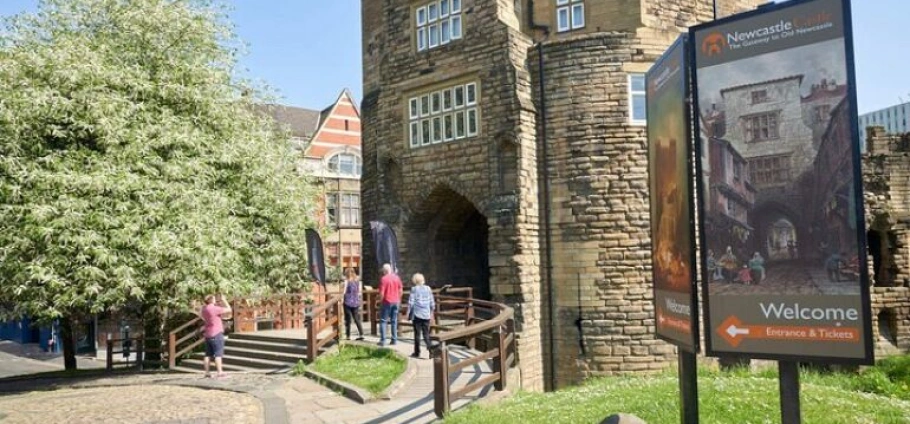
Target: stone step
x,y
247,363
298,347
195,365
264,352
270,339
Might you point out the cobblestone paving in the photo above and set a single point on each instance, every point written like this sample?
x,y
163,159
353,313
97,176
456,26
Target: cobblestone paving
x,y
176,398
145,404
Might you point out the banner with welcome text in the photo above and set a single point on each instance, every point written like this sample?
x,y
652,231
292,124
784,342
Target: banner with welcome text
x,y
781,211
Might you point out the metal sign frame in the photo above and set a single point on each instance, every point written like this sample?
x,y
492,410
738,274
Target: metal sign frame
x,y
864,352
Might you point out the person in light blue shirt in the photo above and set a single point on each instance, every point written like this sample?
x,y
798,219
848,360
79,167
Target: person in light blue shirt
x,y
420,307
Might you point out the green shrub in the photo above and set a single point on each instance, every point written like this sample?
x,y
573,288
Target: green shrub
x,y
299,368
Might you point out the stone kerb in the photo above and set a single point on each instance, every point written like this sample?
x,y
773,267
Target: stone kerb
x,y
358,394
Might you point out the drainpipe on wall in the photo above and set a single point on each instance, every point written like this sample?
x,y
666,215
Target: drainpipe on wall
x,y
550,369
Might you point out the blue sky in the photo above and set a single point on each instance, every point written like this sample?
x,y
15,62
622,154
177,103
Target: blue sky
x,y
310,50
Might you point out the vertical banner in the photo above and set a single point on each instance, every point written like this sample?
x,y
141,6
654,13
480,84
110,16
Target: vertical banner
x,y
672,230
315,255
780,188
386,244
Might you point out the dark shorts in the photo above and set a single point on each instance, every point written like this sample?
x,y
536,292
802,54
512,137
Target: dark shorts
x,y
214,346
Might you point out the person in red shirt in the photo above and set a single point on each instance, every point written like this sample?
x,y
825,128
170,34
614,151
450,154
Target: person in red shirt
x,y
211,313
390,289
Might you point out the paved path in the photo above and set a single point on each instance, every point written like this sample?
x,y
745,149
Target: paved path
x,y
18,359
165,398
412,404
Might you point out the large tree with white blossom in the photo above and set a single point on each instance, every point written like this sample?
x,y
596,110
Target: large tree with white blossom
x,y
133,170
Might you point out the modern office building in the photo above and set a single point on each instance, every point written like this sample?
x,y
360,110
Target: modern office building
x,y
893,119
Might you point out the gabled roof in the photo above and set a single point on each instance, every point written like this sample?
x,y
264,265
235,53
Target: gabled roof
x,y
325,115
300,122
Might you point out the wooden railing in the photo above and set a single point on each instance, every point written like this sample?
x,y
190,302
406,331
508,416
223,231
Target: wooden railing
x,y
138,346
323,317
490,322
373,304
183,340
280,312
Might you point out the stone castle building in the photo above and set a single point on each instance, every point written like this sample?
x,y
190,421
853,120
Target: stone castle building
x,y
886,174
504,141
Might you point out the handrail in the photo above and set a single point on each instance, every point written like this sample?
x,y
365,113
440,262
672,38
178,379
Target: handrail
x,y
317,320
185,325
499,329
505,313
173,342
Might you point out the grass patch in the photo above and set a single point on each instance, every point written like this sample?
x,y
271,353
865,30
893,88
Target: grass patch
x,y
366,367
738,397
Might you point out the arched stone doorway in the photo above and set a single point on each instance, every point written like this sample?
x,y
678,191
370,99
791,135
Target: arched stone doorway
x,y
781,240
452,240
779,233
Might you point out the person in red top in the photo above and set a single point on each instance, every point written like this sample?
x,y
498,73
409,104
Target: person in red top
x,y
214,332
390,289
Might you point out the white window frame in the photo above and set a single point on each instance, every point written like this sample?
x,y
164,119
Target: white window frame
x,y
569,9
453,26
448,127
632,93
414,108
356,164
438,23
415,133
467,122
468,89
445,31
443,121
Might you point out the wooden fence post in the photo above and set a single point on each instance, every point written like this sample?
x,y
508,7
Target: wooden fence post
x,y
110,353
171,350
441,380
140,354
310,339
499,362
339,312
468,320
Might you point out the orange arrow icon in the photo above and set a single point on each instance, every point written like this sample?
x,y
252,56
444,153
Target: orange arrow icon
x,y
733,331
665,321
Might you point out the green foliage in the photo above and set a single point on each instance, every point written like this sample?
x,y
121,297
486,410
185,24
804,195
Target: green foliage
x,y
298,369
896,367
133,168
367,367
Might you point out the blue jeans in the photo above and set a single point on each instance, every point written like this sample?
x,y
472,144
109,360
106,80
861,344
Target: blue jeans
x,y
388,312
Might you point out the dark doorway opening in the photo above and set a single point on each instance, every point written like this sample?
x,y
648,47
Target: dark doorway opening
x,y
456,237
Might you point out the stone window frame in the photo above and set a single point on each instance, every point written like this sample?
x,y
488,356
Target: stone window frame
x,y
456,118
757,135
637,93
732,208
760,96
738,169
343,204
570,15
437,23
821,114
770,169
334,164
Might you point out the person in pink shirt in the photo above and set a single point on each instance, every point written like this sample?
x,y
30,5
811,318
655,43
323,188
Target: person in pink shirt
x,y
390,289
211,313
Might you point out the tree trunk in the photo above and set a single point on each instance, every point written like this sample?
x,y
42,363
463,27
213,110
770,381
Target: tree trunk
x,y
68,338
153,323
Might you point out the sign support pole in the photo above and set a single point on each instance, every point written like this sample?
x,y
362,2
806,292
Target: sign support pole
x,y
688,388
789,392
